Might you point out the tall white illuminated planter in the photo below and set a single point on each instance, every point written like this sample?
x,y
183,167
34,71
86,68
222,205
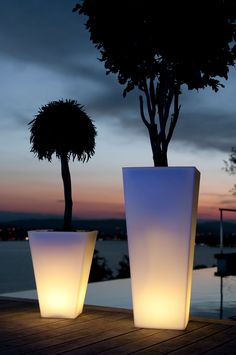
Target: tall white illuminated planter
x,y
161,211
61,262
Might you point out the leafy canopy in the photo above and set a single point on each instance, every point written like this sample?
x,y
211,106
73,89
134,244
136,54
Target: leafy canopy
x,y
230,166
63,127
140,39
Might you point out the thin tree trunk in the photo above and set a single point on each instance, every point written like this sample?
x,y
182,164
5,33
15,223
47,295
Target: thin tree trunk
x,y
161,159
159,99
159,153
65,172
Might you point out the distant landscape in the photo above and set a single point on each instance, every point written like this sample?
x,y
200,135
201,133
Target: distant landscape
x,y
208,231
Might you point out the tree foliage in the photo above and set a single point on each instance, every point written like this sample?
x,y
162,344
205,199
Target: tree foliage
x,y
158,46
99,269
124,268
63,128
230,166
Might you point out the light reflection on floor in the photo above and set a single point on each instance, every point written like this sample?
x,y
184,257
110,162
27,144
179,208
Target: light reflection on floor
x,y
212,296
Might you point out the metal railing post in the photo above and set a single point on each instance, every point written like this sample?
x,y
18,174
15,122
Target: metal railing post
x,y
221,231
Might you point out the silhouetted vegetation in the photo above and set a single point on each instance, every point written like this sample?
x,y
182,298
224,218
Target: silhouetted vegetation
x,y
12,233
63,128
124,268
99,269
200,266
160,46
230,166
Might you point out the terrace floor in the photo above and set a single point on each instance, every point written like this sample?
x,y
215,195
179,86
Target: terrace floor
x,y
106,330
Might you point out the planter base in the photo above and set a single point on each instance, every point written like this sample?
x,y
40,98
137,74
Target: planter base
x,y
161,210
61,262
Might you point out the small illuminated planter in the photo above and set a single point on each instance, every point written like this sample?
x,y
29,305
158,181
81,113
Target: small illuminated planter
x,y
61,262
161,211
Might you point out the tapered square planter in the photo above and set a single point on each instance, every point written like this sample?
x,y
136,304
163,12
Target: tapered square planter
x,y
161,211
61,262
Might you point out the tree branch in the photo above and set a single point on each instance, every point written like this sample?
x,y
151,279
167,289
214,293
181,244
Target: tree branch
x,y
152,96
170,96
151,111
174,117
145,121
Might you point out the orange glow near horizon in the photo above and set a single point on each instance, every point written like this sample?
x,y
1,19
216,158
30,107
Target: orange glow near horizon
x,y
97,203
100,208
100,201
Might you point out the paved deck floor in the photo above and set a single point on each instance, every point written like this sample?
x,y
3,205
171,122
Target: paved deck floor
x,y
107,331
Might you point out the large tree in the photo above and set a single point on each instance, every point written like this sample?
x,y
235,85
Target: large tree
x,y
63,128
159,46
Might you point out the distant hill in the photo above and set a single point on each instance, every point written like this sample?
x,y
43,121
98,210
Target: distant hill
x,y
214,227
10,217
107,228
206,226
208,231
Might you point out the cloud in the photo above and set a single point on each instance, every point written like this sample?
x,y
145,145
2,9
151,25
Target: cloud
x,y
49,34
47,37
229,203
199,126
43,31
207,130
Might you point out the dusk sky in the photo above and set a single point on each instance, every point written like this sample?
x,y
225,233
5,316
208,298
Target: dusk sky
x,y
46,55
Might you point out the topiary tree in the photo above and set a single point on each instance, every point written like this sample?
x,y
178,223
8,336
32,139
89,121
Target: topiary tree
x,y
159,46
230,166
63,128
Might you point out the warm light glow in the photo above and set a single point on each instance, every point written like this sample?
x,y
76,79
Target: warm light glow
x,y
61,262
161,209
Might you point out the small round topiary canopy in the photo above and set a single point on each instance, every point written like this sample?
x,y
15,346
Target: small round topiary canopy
x,y
63,127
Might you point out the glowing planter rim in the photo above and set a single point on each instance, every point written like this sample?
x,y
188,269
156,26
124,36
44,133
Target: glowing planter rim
x,y
161,213
61,263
